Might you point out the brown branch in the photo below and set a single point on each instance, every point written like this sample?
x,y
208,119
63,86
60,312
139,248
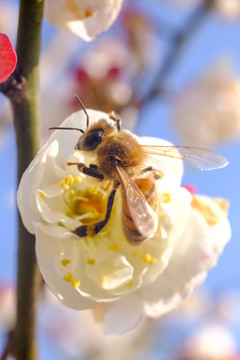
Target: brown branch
x,y
22,90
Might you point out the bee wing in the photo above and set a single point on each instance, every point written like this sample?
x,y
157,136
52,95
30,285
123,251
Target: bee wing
x,y
142,214
203,159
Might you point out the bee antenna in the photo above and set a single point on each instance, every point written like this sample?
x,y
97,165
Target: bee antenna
x,y
65,128
83,107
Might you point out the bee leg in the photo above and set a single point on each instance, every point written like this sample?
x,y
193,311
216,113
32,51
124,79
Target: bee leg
x,y
90,171
93,229
156,173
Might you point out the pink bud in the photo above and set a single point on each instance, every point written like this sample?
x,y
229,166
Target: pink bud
x,y
8,58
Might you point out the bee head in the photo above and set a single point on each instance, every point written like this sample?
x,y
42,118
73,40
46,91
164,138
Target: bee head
x,y
93,136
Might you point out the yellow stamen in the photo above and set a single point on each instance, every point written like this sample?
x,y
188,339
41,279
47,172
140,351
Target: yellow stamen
x,y
206,208
94,190
78,179
114,247
41,194
91,261
69,179
130,283
71,192
65,262
64,185
147,258
76,283
166,197
70,279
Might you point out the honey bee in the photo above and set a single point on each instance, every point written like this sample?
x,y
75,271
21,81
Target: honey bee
x,y
120,159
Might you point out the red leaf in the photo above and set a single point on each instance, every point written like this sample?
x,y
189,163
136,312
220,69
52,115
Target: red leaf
x,y
8,58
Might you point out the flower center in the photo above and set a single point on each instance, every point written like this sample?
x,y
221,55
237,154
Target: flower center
x,y
86,202
89,203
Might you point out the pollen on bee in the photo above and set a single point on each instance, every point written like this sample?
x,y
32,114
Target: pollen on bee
x,y
114,247
147,258
41,194
65,262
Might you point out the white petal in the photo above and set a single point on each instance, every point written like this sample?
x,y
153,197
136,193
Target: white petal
x,y
111,273
84,18
196,252
52,157
65,292
177,210
30,181
57,244
122,315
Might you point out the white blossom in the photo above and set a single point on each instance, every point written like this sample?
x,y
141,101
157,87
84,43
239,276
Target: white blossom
x,y
212,341
105,272
7,305
70,331
229,9
208,111
84,18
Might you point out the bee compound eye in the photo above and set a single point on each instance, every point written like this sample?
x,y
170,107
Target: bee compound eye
x,y
93,140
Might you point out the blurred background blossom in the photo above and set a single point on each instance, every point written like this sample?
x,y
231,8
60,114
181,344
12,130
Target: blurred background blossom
x,y
230,9
199,329
160,66
207,112
7,305
70,331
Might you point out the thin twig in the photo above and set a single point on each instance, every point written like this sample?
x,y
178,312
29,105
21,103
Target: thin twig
x,y
178,42
7,351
